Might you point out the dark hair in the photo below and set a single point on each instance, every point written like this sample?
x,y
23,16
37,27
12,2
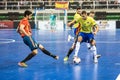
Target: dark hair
x,y
27,12
83,12
92,12
78,8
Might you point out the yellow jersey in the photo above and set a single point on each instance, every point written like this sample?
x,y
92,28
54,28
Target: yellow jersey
x,y
86,25
76,17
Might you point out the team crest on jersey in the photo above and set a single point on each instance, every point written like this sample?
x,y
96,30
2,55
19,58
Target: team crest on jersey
x,y
88,22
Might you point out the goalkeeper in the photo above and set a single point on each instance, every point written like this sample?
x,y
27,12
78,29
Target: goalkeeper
x,y
52,22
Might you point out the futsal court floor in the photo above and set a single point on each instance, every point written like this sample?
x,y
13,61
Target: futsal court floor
x,y
43,67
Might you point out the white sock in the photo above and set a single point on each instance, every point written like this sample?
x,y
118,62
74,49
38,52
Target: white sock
x,y
94,50
88,45
72,37
77,48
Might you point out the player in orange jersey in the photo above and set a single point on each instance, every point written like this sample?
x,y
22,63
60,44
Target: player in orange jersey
x,y
24,29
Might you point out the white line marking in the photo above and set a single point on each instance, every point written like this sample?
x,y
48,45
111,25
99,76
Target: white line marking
x,y
117,63
108,42
118,77
4,41
105,42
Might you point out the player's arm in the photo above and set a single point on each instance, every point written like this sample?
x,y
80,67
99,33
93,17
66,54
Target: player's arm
x,y
95,26
71,23
22,30
76,19
96,29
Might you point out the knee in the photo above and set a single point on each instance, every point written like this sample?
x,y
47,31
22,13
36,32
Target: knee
x,y
40,46
35,51
93,43
92,48
79,39
72,48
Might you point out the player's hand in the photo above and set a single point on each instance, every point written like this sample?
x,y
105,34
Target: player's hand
x,y
95,33
68,24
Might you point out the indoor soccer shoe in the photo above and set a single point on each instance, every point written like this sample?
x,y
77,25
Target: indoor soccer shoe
x,y
69,38
95,58
56,57
22,64
98,55
66,59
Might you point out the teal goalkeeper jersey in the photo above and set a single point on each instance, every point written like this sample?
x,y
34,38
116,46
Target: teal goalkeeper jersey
x,y
52,20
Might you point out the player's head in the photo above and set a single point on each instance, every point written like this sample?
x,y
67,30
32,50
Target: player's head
x,y
84,15
78,10
28,14
92,14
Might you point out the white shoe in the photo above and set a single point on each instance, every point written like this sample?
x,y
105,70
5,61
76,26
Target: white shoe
x,y
98,55
69,38
95,58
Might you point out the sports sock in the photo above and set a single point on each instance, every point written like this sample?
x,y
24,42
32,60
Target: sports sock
x,y
29,57
94,50
48,53
88,45
70,51
77,48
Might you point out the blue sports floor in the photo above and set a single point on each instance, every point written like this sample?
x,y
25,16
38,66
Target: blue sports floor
x,y
43,67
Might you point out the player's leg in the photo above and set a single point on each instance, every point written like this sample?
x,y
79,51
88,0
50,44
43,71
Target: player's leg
x,y
31,55
77,49
70,38
29,41
73,35
47,52
52,26
88,45
76,32
73,47
81,38
94,50
69,52
75,44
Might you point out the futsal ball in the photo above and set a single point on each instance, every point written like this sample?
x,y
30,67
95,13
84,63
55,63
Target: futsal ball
x,y
76,60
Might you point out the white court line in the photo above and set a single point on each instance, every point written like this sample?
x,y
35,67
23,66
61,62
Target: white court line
x,y
108,42
117,63
4,41
105,42
118,77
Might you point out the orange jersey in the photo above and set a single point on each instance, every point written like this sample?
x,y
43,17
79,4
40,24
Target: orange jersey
x,y
78,29
27,27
